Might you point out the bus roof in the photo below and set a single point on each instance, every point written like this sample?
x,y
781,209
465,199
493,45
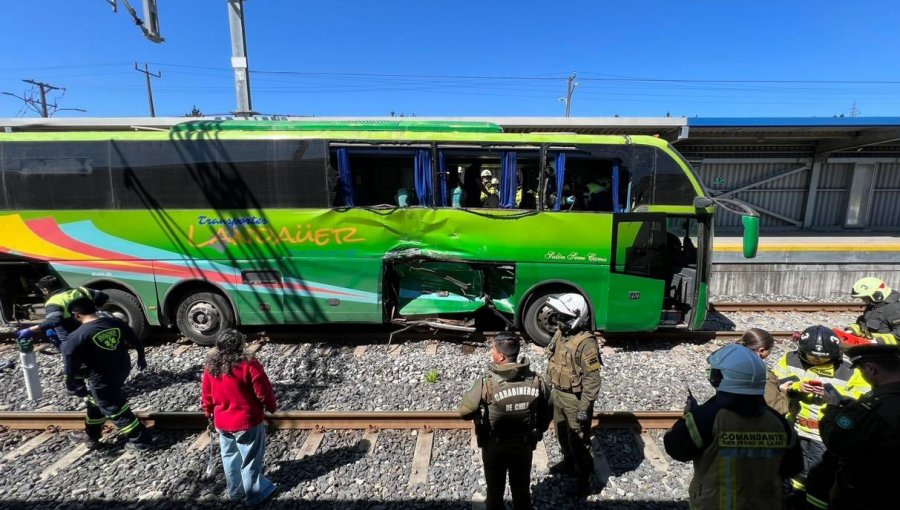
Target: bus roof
x,y
431,126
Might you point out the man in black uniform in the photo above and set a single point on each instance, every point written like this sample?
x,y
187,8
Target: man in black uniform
x,y
98,351
511,409
864,434
57,316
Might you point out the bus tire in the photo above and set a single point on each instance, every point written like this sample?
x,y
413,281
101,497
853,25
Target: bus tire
x,y
539,319
125,306
202,315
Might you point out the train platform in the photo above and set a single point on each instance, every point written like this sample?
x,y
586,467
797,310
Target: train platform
x,y
820,266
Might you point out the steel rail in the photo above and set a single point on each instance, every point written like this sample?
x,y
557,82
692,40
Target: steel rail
x,y
325,420
787,307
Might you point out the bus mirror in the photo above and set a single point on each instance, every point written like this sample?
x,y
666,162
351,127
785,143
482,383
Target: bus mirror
x,y
751,235
703,202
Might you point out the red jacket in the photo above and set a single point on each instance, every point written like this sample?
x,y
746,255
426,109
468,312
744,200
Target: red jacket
x,y
236,400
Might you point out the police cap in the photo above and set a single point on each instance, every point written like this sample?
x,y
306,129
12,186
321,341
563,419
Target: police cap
x,y
861,353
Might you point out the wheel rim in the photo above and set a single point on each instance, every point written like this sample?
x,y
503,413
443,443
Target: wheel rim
x,y
117,312
203,317
546,320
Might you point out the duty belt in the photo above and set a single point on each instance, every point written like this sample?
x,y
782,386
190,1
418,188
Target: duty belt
x,y
557,388
806,422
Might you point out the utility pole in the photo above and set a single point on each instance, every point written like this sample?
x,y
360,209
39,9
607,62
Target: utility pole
x,y
45,87
570,88
239,57
148,74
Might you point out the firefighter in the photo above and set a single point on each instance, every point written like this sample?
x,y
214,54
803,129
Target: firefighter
x,y
57,316
741,448
573,371
880,321
96,366
511,409
805,375
864,435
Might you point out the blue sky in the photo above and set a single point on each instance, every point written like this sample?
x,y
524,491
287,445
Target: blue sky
x,y
487,58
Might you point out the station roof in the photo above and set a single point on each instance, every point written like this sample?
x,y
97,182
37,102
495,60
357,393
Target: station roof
x,y
795,135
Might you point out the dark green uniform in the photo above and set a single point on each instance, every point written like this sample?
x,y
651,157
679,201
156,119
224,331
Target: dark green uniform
x,y
511,409
574,373
865,437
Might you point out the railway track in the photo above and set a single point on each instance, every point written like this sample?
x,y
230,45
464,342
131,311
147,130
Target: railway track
x,y
323,420
787,307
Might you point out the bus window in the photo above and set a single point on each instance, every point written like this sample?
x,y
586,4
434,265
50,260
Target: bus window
x,y
490,178
56,175
162,175
672,184
594,178
379,176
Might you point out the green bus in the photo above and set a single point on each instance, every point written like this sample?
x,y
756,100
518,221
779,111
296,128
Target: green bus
x,y
427,224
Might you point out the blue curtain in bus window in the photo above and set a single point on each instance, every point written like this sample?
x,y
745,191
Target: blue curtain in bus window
x,y
346,180
560,179
441,190
509,178
615,185
423,177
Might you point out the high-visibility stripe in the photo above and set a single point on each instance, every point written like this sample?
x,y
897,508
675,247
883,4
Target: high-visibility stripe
x,y
131,426
693,430
122,411
95,421
90,399
726,481
797,484
816,502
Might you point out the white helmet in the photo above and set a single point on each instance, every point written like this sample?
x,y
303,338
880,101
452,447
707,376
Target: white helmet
x,y
571,305
486,173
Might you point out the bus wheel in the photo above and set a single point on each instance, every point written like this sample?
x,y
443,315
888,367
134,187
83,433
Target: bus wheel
x,y
126,307
202,315
540,320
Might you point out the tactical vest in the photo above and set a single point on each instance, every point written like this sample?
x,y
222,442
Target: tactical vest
x,y
64,298
740,468
512,407
564,367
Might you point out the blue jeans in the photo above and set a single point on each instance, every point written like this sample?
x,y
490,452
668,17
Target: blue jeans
x,y
242,458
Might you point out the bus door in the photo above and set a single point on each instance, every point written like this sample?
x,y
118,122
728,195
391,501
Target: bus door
x,y
260,299
638,269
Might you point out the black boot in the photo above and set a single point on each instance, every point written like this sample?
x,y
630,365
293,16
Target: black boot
x,y
564,467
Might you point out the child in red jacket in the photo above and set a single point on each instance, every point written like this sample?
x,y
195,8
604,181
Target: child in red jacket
x,y
235,392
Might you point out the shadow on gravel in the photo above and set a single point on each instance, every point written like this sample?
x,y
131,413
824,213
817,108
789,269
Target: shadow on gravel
x,y
283,502
318,373
291,473
150,380
715,321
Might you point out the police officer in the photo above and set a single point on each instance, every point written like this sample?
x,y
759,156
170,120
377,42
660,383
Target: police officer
x,y
573,370
742,449
880,321
805,375
864,435
511,409
57,316
98,351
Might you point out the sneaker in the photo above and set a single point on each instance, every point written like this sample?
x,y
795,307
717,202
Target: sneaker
x,y
81,437
138,447
265,502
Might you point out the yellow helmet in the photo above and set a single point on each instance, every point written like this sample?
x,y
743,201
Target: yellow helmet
x,y
870,287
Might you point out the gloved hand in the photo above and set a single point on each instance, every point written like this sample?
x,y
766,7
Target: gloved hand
x,y
583,418
22,334
142,362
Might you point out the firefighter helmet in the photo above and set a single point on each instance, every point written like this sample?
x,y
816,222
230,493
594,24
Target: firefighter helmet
x,y
736,369
820,342
573,307
870,287
486,173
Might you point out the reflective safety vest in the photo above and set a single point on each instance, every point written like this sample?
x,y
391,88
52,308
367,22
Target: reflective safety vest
x,y
64,298
512,407
806,409
564,368
740,468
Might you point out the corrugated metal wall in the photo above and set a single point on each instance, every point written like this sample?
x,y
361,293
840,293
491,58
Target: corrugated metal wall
x,y
886,197
831,197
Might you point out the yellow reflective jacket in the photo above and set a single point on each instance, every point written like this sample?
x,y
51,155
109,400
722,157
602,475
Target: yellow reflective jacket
x,y
806,409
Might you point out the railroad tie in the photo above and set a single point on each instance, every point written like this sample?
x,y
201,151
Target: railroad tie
x,y
28,446
324,350
602,471
313,440
651,451
369,439
291,350
359,351
200,442
64,462
421,458
431,348
181,349
394,351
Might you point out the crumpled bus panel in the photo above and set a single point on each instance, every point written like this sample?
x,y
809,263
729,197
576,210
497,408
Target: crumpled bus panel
x,y
427,287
